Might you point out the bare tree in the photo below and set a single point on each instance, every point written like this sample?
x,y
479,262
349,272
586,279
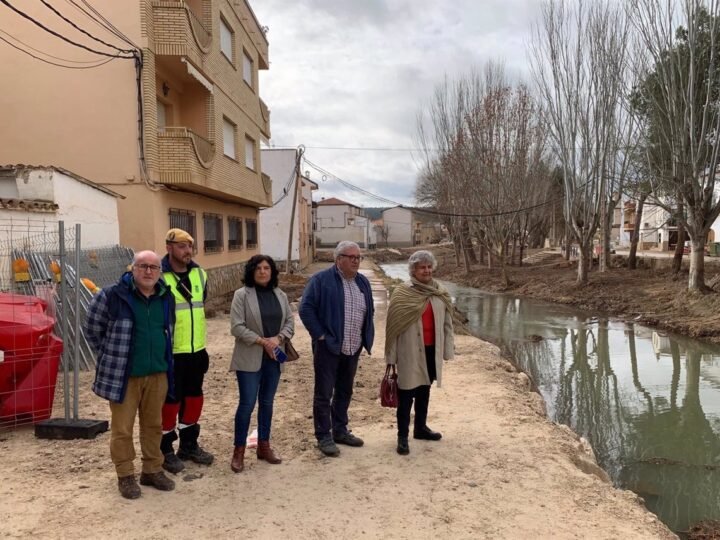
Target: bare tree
x,y
680,98
578,60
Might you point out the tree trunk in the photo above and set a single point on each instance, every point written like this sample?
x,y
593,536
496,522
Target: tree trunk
x,y
635,238
568,242
522,251
513,252
604,257
584,263
696,281
679,247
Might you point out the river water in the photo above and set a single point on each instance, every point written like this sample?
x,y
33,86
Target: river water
x,y
647,401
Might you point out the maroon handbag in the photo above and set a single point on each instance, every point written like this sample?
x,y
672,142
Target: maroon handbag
x,y
389,388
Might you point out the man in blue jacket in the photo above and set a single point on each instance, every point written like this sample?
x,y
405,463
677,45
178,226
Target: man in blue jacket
x,y
337,310
129,325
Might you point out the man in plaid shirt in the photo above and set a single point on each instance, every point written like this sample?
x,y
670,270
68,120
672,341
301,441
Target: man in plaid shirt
x,y
337,309
129,325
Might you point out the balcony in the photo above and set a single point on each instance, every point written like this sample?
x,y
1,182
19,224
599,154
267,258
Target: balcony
x,y
264,119
185,156
179,31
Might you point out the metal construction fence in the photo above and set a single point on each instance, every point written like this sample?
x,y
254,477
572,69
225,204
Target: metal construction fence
x,y
47,280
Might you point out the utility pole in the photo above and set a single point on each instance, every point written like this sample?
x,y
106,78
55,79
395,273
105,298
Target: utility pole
x,y
296,191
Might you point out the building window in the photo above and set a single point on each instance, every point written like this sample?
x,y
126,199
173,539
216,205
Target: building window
x,y
185,220
235,233
213,225
249,153
229,145
251,229
226,40
247,69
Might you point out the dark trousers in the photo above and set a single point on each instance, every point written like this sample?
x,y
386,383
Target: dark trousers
x,y
420,395
334,379
186,407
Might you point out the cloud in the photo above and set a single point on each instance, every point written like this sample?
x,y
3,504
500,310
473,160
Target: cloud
x,y
348,73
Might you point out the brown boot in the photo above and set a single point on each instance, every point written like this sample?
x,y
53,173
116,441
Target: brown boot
x,y
238,460
265,452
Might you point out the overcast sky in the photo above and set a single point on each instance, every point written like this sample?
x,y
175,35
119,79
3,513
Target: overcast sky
x,y
355,73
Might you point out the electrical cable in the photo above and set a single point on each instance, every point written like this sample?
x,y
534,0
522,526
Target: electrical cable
x,y
47,54
88,34
101,63
110,26
56,34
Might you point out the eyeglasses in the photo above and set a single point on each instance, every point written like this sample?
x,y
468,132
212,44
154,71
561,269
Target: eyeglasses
x,y
146,267
355,258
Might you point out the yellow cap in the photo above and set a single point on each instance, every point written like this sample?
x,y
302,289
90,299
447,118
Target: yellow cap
x,y
174,236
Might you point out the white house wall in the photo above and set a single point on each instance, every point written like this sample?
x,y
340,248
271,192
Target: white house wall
x,y
275,221
336,223
399,226
93,209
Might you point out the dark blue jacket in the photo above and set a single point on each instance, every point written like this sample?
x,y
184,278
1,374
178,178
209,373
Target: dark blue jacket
x,y
109,330
323,306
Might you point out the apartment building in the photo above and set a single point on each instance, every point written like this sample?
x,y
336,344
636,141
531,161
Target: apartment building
x,y
337,220
178,136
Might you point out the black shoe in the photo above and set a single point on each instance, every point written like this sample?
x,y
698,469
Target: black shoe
x,y
128,487
172,463
348,438
427,434
328,447
196,454
403,448
157,480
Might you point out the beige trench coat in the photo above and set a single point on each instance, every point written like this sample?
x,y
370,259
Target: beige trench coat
x,y
408,351
246,326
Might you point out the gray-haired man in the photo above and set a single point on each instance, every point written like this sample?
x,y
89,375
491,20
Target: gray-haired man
x,y
337,309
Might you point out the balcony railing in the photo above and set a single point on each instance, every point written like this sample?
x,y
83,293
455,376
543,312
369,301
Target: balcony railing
x,y
202,35
265,115
203,149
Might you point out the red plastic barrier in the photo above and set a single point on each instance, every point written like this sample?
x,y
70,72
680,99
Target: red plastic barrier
x,y
28,371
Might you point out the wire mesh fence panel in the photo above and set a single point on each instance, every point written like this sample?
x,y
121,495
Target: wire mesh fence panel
x,y
38,314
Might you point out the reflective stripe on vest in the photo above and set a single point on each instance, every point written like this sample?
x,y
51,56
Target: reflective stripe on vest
x,y
190,329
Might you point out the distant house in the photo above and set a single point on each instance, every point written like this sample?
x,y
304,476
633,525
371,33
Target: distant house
x,y
337,220
403,227
34,198
275,221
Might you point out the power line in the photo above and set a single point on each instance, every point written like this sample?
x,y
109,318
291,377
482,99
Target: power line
x,y
71,23
56,34
427,211
359,148
105,23
47,54
101,63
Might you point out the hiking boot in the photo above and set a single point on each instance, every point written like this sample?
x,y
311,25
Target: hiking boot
x,y
328,447
157,480
348,439
128,487
172,463
403,448
196,454
427,434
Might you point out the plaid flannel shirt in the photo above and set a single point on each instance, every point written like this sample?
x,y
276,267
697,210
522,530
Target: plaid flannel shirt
x,y
108,329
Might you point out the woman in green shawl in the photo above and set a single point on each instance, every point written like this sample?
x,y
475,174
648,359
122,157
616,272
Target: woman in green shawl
x,y
418,337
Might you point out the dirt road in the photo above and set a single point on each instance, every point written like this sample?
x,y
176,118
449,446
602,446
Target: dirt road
x,y
502,470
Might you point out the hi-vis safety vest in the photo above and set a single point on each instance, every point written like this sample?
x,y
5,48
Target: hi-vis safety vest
x,y
189,334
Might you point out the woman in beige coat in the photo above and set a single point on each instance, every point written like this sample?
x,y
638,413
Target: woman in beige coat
x,y
261,321
418,337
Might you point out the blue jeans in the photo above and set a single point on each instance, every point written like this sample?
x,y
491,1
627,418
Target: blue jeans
x,y
256,386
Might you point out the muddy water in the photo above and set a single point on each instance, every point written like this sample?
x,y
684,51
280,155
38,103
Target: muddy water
x,y
648,402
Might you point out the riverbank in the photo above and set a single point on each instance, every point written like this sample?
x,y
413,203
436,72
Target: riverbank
x,y
502,470
650,296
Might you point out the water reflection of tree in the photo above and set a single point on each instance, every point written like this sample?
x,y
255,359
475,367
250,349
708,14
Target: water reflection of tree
x,y
588,398
671,453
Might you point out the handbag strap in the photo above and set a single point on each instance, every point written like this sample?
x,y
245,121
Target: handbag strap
x,y
387,370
